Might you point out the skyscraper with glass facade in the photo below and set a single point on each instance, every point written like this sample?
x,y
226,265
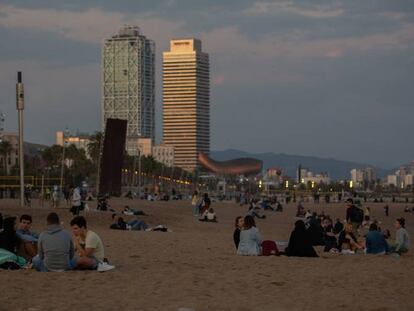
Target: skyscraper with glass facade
x,y
128,80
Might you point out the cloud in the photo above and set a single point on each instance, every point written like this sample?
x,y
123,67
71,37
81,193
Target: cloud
x,y
313,11
90,26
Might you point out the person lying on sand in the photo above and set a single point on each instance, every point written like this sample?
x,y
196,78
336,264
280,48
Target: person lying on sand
x,y
134,224
131,211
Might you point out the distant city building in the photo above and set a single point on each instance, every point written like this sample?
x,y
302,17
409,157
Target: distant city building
x,y
186,101
361,177
11,159
307,176
403,177
81,141
392,180
128,81
164,154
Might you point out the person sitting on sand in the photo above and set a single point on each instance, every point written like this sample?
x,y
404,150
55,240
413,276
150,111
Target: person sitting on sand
x,y
402,239
338,227
209,216
300,244
9,240
88,246
56,248
329,235
347,242
300,212
375,242
254,211
239,222
27,237
134,224
250,240
205,204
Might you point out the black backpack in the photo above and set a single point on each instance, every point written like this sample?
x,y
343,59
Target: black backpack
x,y
357,215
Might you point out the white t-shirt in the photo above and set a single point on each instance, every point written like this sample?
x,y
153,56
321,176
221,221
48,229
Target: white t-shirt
x,y
92,240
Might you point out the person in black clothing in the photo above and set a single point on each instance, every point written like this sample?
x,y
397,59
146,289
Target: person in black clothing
x,y
315,231
8,237
300,244
329,235
238,226
1,222
338,227
387,210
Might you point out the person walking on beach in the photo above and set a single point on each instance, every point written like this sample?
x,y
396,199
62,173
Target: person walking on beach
x,y
354,215
76,201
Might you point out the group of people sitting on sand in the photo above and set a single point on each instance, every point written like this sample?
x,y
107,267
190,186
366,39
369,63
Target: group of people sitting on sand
x,y
358,233
52,250
202,208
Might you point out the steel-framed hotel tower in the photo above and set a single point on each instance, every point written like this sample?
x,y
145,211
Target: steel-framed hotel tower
x,y
128,80
186,101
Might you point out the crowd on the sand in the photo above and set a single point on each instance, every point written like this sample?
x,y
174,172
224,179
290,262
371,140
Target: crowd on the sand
x,y
358,233
55,249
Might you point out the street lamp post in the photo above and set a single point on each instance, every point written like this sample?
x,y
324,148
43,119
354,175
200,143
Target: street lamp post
x,y
20,108
62,168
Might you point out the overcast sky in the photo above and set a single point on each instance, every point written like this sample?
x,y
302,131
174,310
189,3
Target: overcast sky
x,y
298,77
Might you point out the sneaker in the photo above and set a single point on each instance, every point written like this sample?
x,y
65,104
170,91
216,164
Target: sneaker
x,y
102,267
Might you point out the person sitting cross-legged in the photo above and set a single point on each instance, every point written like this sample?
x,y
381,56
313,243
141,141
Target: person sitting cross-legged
x,y
88,246
28,238
375,242
55,247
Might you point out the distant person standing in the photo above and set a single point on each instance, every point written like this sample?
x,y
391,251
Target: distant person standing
x,y
354,215
194,203
387,210
76,201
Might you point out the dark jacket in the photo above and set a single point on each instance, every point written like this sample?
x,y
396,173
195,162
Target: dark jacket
x,y
300,243
8,237
375,242
236,237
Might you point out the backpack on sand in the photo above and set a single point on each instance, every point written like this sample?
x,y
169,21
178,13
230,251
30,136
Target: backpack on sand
x,y
269,248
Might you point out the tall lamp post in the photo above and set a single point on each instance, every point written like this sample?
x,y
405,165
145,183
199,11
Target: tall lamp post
x,y
20,108
62,167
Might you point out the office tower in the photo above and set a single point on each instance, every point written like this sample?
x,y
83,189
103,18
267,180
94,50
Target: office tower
x,y
186,101
128,78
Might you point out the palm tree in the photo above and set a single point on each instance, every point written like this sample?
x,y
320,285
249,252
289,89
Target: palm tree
x,y
5,150
94,146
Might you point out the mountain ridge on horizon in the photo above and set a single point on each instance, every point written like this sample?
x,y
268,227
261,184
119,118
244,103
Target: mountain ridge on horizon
x,y
337,169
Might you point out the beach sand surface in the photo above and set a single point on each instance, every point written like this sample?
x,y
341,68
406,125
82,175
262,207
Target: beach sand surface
x,y
194,267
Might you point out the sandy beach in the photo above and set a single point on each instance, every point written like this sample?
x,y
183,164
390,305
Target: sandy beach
x,y
195,267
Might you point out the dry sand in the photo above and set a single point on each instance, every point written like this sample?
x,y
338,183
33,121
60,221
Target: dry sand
x,y
195,267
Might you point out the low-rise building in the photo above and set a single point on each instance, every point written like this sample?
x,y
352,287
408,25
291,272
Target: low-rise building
x,y
164,154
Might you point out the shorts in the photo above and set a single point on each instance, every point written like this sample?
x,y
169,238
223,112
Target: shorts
x,y
74,261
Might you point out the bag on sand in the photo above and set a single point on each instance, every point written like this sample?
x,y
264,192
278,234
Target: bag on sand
x,y
269,248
